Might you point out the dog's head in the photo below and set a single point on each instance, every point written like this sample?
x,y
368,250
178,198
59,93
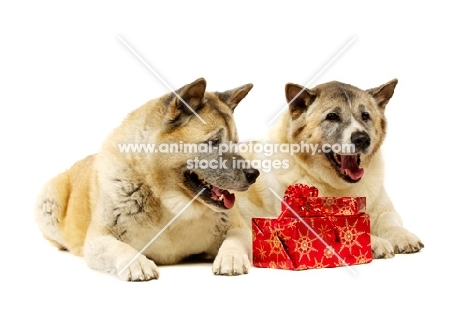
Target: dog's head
x,y
196,123
347,123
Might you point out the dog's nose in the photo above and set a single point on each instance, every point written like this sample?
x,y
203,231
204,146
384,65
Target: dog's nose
x,y
361,140
251,175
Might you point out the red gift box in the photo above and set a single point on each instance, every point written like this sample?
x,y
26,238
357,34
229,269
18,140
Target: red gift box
x,y
313,232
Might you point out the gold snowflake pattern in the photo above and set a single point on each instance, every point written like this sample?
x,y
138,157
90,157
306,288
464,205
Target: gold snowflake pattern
x,y
329,201
303,245
281,232
366,218
319,264
349,235
272,265
346,209
325,231
291,225
261,252
361,258
283,265
276,247
328,252
340,263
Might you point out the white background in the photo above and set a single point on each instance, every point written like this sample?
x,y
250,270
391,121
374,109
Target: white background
x,y
66,80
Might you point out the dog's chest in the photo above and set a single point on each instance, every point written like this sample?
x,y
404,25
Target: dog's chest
x,y
138,219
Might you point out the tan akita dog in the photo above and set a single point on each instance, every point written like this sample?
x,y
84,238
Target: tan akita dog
x,y
333,115
109,206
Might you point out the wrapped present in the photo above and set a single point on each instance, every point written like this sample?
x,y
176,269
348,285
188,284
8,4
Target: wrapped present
x,y
313,232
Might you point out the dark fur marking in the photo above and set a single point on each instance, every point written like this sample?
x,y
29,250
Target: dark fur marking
x,y
116,220
169,99
121,234
383,125
298,131
49,202
135,196
334,130
224,217
51,213
224,97
141,206
336,110
134,190
221,227
349,96
226,117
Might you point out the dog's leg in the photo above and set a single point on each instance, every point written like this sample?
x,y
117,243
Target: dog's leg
x,y
234,254
388,234
104,252
51,207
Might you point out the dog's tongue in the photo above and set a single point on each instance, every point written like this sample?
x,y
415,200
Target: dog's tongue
x,y
228,198
350,167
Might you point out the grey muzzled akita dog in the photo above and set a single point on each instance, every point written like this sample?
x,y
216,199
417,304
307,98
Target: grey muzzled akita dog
x,y
334,114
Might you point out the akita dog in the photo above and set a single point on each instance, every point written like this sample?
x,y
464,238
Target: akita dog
x,y
329,115
109,206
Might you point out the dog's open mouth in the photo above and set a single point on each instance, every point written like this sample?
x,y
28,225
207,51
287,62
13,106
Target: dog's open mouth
x,y
212,194
347,166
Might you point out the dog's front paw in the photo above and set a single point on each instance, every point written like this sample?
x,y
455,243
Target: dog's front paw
x,y
403,241
231,264
140,269
381,248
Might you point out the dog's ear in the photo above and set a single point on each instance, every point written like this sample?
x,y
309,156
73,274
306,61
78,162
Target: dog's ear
x,y
383,93
299,99
233,97
184,105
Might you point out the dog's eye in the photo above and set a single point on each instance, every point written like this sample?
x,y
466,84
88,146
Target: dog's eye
x,y
365,116
332,117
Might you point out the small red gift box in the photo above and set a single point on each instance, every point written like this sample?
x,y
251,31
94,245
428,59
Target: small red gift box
x,y
313,232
